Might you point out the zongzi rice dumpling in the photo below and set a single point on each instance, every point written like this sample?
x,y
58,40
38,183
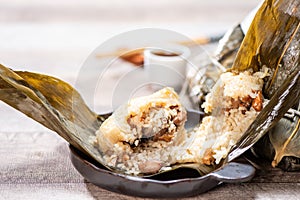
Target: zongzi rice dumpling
x,y
147,133
233,104
141,135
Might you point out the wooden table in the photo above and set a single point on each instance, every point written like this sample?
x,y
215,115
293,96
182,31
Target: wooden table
x,y
55,38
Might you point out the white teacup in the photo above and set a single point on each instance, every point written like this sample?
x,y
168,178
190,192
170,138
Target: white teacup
x,y
166,65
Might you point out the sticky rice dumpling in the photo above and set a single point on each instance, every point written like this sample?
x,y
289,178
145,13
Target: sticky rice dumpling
x,y
138,136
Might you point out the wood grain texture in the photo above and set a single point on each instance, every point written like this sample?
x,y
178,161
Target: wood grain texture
x,y
55,39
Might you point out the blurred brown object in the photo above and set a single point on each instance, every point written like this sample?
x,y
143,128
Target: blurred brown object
x,y
136,56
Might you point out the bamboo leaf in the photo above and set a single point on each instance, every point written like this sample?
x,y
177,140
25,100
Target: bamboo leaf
x,y
54,104
285,139
273,41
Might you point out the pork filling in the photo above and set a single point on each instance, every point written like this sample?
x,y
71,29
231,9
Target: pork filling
x,y
156,124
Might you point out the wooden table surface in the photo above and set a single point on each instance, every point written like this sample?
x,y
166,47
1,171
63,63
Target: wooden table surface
x,y
55,38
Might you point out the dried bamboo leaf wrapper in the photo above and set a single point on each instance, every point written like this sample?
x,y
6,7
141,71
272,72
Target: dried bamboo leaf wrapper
x,y
285,139
273,41
54,104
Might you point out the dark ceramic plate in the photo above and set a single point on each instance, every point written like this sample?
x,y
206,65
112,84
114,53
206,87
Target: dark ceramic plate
x,y
183,182
177,183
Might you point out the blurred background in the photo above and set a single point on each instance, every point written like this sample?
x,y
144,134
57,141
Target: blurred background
x,y
55,37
